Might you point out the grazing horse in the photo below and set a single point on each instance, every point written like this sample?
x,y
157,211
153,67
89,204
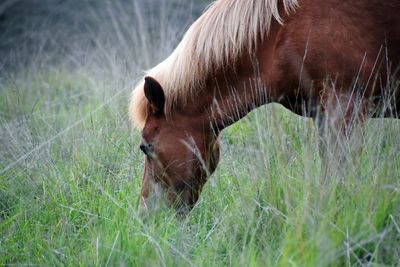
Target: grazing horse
x,y
329,57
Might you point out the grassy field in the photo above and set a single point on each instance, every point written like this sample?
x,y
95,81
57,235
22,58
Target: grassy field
x,y
70,172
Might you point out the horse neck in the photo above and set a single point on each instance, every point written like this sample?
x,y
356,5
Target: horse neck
x,y
232,94
225,99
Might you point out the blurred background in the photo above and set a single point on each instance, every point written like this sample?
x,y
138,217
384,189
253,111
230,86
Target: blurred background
x,y
89,32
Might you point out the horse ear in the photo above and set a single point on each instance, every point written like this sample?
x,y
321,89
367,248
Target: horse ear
x,y
154,94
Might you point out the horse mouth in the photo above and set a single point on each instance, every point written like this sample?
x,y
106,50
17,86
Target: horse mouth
x,y
180,199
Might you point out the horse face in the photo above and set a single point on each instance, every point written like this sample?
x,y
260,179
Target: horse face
x,y
180,155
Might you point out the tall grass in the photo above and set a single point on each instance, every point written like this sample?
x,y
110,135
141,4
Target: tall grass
x,y
70,170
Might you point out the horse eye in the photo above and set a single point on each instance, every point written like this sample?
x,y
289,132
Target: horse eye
x,y
147,149
143,148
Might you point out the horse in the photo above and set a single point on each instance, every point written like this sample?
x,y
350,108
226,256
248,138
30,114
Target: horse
x,y
323,59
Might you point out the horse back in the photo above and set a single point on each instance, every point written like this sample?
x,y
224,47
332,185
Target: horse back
x,y
336,45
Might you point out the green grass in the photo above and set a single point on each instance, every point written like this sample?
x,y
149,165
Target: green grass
x,y
70,171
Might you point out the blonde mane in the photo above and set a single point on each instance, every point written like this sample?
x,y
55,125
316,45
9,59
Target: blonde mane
x,y
216,39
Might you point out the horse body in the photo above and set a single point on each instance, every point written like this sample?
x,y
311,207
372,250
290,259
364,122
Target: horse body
x,y
332,47
328,57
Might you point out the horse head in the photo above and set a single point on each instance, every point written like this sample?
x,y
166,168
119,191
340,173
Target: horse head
x,y
181,152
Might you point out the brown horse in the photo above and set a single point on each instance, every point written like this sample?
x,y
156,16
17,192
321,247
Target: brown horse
x,y
329,57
